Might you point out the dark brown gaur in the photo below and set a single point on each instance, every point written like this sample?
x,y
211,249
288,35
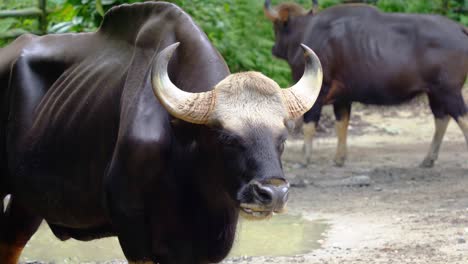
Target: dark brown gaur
x,y
376,58
139,131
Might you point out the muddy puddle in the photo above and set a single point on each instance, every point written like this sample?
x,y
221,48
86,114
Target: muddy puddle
x,y
282,235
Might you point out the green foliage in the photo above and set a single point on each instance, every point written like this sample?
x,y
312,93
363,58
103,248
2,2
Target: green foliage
x,y
26,24
237,28
245,43
77,16
327,3
454,9
392,5
241,33
15,4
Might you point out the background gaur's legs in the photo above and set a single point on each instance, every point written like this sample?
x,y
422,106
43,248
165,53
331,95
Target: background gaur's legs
x,y
463,124
342,113
441,124
445,103
458,110
16,228
311,119
441,120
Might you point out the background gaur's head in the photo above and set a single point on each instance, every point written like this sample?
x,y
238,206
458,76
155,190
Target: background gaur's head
x,y
247,112
289,22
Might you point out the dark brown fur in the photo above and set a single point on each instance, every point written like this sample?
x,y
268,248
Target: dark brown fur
x,y
87,147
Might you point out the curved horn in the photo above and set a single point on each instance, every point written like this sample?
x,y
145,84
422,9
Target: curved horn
x,y
302,96
190,107
270,13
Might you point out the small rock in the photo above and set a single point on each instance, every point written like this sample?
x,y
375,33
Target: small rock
x,y
296,166
360,181
299,183
461,240
392,131
378,189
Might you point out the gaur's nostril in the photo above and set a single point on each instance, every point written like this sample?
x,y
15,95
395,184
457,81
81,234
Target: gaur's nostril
x,y
263,194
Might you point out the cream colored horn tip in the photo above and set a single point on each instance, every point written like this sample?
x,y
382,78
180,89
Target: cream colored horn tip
x,y
172,47
311,56
306,49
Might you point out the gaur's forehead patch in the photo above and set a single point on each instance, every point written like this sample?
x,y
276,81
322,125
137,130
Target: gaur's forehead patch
x,y
286,10
248,99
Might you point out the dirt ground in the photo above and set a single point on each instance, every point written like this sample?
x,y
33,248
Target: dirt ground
x,y
382,207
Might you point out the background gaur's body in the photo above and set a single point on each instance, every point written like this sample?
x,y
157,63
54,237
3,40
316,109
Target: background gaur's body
x,y
376,58
384,58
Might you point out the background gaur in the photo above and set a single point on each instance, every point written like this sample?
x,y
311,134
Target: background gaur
x,y
376,58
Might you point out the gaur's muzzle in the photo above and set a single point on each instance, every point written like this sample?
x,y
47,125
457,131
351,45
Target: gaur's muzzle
x,y
260,199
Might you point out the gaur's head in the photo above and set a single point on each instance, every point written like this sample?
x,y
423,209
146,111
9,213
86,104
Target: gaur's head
x,y
289,22
248,115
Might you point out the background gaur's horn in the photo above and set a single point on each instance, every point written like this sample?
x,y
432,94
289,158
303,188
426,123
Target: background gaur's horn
x,y
190,107
301,97
270,13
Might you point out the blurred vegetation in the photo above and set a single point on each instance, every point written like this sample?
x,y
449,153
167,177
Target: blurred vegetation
x,y
236,27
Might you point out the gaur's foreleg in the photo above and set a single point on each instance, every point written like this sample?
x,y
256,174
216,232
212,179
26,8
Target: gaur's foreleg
x,y
17,227
18,224
130,175
126,210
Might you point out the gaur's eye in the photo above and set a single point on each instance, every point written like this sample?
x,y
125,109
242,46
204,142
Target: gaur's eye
x,y
231,141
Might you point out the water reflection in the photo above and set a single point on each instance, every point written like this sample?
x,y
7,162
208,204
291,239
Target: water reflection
x,y
282,235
